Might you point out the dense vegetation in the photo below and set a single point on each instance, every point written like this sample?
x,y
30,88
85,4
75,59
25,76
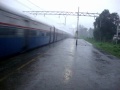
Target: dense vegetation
x,y
111,48
105,26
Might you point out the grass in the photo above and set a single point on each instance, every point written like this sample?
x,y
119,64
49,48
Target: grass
x,y
111,48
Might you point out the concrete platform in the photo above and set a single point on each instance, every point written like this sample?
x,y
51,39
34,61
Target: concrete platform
x,y
63,66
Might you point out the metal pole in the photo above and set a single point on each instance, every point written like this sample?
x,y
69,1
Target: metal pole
x,y
117,30
77,27
117,34
100,32
65,19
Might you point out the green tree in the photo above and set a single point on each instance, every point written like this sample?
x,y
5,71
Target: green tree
x,y
105,26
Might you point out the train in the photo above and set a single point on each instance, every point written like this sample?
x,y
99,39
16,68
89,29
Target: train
x,y
20,33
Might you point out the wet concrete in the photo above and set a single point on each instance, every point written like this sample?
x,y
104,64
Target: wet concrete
x,y
63,66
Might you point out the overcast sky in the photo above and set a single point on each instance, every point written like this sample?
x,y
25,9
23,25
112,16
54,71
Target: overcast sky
x,y
65,5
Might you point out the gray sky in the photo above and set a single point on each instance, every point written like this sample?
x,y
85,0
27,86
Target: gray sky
x,y
64,5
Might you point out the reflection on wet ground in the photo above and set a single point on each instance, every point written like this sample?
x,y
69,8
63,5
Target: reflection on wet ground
x,y
63,66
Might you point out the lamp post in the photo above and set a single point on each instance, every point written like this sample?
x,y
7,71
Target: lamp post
x,y
77,27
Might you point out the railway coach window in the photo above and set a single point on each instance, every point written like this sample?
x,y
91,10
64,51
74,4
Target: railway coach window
x,y
47,34
7,31
20,32
33,33
37,32
42,34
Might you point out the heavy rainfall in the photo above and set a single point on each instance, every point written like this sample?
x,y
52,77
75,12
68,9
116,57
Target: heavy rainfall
x,y
59,45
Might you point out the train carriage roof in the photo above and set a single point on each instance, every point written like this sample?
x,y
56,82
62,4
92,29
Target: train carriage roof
x,y
26,17
11,11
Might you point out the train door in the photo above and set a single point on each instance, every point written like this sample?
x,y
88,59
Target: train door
x,y
26,35
50,34
54,35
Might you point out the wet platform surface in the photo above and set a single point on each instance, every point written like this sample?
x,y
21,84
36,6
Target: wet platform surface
x,y
63,66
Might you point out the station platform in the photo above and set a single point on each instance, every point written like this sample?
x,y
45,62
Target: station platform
x,y
61,66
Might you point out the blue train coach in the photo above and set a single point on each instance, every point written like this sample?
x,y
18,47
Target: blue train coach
x,y
19,33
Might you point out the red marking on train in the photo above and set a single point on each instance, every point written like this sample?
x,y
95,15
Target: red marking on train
x,y
7,24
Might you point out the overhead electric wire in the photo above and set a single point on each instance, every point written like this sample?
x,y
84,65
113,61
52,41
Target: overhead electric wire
x,y
38,7
35,5
23,4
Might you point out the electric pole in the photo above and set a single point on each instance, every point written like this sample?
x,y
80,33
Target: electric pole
x,y
77,27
